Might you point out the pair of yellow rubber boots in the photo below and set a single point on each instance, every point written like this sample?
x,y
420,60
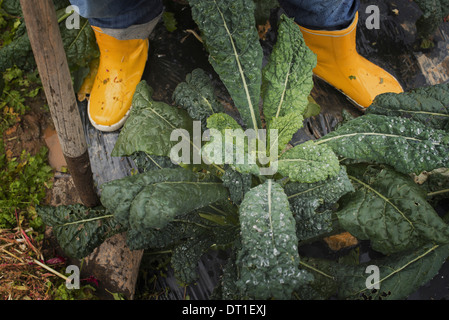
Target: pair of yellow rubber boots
x,y
122,63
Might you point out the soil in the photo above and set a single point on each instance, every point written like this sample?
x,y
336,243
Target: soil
x,y
34,131
27,134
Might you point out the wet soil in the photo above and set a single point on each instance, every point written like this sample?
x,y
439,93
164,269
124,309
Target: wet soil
x,y
27,134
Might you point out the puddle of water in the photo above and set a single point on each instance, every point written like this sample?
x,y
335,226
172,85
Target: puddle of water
x,y
55,156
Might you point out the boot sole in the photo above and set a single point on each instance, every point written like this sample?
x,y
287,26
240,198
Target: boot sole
x,y
111,128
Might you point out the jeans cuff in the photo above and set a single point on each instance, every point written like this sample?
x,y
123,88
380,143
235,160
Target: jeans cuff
x,y
138,31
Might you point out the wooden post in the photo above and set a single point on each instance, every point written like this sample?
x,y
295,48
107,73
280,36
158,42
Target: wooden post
x,y
46,42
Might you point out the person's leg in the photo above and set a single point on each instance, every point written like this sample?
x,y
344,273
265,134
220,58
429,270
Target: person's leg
x,y
122,19
329,30
321,14
121,29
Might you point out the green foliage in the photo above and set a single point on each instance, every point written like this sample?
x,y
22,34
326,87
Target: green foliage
x,y
312,204
79,230
185,257
287,78
153,199
354,179
229,33
434,11
18,88
237,183
269,256
308,163
80,44
145,162
150,119
23,185
196,95
400,274
86,292
408,146
389,209
169,21
427,105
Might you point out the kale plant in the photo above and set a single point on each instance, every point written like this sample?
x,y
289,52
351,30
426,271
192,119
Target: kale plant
x,y
357,178
434,12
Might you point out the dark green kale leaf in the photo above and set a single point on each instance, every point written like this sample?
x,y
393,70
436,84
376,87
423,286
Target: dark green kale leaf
x,y
196,95
229,33
390,210
268,260
78,229
427,105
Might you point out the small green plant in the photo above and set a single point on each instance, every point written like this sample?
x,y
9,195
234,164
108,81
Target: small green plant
x,y
434,12
23,182
79,44
60,292
17,89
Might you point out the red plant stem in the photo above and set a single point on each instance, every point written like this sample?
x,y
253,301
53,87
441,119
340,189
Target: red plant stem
x,y
27,239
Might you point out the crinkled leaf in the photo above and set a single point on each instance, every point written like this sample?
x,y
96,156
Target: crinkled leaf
x,y
80,44
155,198
145,162
221,122
229,33
78,229
226,288
288,76
324,285
287,82
118,195
428,105
12,7
17,53
172,234
185,258
237,183
268,259
308,163
286,127
327,192
406,145
401,274
158,204
229,144
436,185
197,96
390,210
434,11
312,203
150,125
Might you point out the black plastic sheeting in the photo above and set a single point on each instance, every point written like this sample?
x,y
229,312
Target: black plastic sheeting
x,y
175,54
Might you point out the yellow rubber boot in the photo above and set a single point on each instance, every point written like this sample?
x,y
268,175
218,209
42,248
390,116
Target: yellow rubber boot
x,y
339,64
121,66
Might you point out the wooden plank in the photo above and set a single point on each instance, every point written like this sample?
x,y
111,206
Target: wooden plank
x,y
435,64
46,42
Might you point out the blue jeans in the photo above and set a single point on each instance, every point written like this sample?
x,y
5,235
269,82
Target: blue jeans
x,y
321,14
120,14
